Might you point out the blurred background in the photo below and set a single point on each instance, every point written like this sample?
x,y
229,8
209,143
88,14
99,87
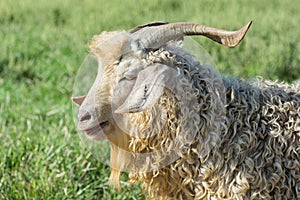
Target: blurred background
x,y
42,46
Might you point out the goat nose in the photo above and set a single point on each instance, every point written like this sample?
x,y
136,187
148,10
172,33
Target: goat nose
x,y
85,117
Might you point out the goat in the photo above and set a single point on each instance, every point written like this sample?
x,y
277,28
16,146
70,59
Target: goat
x,y
183,129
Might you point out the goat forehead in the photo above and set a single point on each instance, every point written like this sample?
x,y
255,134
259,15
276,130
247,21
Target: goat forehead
x,y
101,86
104,37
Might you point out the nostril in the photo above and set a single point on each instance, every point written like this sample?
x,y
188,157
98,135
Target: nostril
x,y
85,117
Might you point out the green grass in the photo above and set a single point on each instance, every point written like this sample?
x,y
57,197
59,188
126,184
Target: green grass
x,y
42,46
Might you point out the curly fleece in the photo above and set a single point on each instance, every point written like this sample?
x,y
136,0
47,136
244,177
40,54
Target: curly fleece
x,y
233,139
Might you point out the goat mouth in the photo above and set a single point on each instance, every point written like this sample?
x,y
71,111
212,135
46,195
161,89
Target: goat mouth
x,y
97,128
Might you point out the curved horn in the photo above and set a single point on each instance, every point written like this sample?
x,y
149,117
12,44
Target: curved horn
x,y
156,36
158,23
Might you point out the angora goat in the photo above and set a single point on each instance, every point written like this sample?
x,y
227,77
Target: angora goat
x,y
182,129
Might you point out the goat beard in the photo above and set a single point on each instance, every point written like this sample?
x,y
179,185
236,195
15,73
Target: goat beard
x,y
120,157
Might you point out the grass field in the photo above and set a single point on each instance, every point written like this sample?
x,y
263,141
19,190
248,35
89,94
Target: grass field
x,y
42,46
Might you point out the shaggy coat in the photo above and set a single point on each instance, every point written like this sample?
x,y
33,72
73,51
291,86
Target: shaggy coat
x,y
246,136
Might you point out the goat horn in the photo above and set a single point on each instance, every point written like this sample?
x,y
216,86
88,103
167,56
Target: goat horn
x,y
158,23
156,36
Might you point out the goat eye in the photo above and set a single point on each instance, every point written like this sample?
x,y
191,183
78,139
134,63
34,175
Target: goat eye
x,y
128,78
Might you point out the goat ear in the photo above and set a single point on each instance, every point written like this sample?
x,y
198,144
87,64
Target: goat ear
x,y
148,87
78,100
